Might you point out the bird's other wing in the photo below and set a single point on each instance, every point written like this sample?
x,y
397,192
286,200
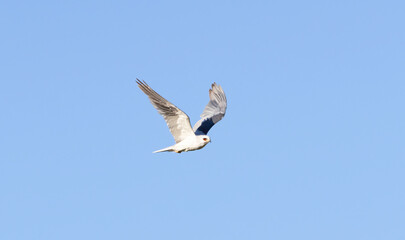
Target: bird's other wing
x,y
213,112
177,121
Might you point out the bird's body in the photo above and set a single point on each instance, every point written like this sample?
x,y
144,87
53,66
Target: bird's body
x,y
189,144
187,138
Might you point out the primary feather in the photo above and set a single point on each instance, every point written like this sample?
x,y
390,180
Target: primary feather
x,y
177,121
213,112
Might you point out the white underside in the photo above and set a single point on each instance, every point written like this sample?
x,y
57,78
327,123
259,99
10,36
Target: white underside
x,y
189,144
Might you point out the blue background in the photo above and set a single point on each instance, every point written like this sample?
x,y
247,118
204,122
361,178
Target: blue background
x,y
311,147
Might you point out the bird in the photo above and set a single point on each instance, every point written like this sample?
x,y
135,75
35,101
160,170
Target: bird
x,y
186,137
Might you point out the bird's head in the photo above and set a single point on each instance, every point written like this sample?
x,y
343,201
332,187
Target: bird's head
x,y
205,139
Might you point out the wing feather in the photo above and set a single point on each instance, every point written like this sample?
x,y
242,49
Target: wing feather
x,y
213,112
177,121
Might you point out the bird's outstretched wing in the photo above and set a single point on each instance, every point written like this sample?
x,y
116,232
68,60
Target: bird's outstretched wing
x,y
177,121
213,112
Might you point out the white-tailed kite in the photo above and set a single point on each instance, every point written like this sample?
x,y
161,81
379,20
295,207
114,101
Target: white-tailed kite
x,y
187,138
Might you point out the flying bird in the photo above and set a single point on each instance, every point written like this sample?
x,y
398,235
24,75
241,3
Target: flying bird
x,y
187,138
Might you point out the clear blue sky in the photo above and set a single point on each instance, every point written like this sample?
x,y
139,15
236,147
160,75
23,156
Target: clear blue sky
x,y
312,146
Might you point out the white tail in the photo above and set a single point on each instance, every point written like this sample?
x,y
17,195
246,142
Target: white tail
x,y
168,149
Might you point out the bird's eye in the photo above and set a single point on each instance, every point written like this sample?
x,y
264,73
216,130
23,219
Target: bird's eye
x,y
205,139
